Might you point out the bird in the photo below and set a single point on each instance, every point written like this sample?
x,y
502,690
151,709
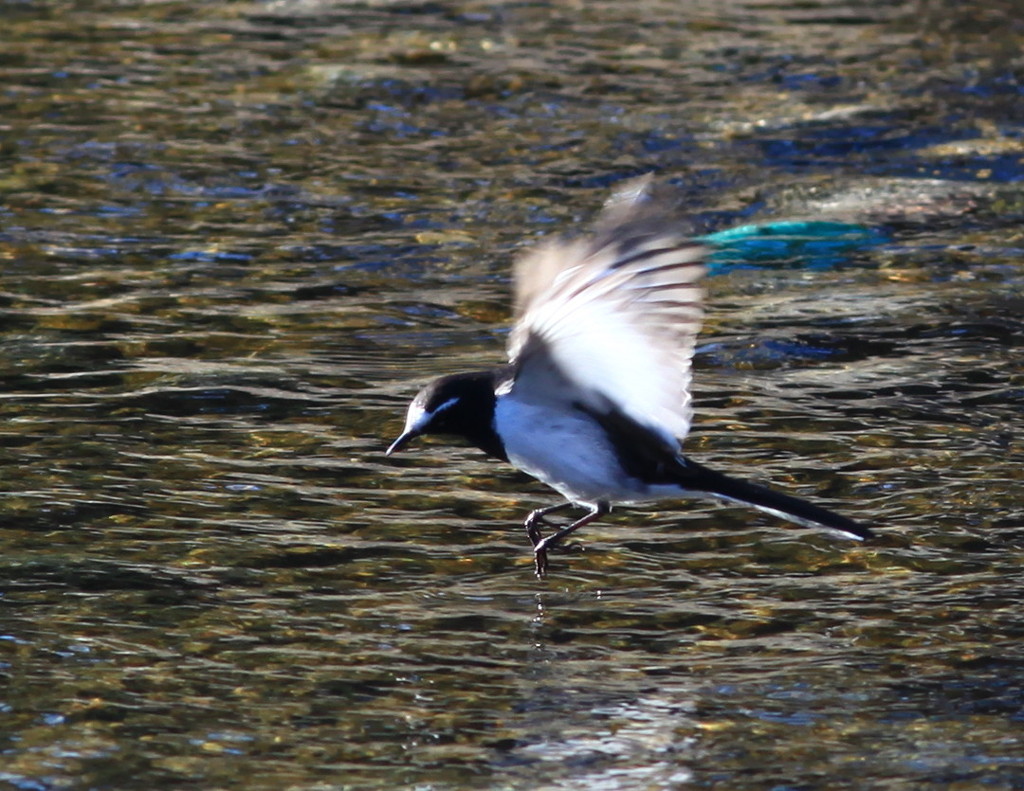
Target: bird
x,y
595,400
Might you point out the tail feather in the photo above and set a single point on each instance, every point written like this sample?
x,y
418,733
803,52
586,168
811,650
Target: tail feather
x,y
697,477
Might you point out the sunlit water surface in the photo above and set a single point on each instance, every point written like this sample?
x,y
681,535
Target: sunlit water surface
x,y
236,238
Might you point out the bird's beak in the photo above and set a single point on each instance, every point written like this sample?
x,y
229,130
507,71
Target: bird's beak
x,y
405,438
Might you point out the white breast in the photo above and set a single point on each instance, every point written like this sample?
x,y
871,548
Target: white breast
x,y
567,450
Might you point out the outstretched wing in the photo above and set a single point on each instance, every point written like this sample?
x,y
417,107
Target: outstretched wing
x,y
612,319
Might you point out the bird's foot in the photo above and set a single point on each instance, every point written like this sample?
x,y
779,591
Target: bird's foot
x,y
537,518
540,555
533,524
541,545
540,562
545,545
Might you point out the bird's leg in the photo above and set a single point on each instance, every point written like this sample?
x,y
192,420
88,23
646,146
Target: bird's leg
x,y
536,519
540,548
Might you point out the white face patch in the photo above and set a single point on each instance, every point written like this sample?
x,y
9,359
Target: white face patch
x,y
415,418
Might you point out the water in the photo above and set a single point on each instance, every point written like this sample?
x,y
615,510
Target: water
x,y
237,237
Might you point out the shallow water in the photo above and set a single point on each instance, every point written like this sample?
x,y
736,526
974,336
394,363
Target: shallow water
x,y
237,237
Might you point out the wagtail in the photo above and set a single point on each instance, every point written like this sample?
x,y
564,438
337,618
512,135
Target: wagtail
x,y
595,398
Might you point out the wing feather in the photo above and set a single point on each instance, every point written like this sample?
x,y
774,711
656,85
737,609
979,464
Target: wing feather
x,y
613,319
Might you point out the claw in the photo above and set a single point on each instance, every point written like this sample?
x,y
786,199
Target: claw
x,y
540,561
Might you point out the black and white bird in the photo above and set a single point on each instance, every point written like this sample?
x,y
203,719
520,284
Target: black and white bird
x,y
595,399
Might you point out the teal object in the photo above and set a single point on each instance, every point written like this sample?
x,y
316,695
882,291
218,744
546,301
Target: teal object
x,y
813,244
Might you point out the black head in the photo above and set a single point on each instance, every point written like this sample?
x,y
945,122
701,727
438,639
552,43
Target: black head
x,y
461,405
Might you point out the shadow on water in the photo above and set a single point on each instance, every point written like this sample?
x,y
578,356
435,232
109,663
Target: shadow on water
x,y
237,237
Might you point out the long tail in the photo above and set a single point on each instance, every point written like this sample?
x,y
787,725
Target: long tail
x,y
699,478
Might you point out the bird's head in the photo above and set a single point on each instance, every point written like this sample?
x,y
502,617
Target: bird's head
x,y
461,405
